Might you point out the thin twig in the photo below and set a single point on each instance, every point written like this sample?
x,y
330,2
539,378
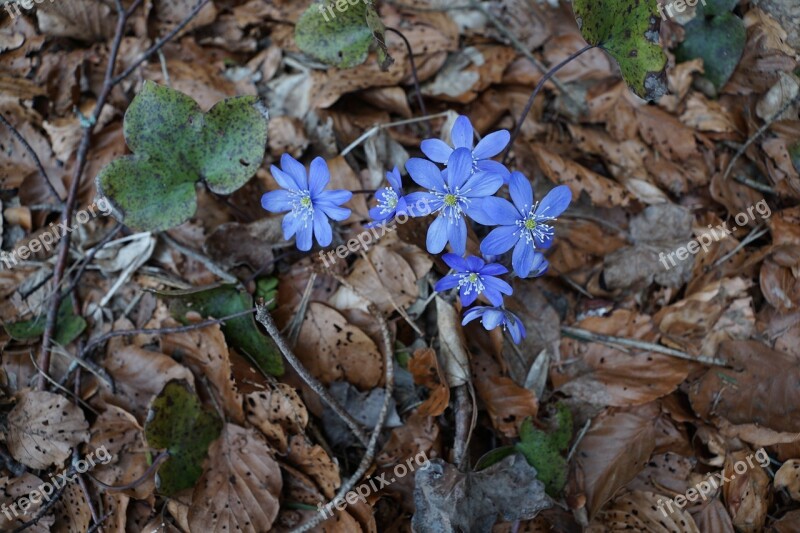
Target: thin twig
x,y
369,455
754,234
578,439
35,158
44,510
265,319
417,88
90,256
375,129
529,105
759,132
588,336
463,416
135,483
197,256
757,185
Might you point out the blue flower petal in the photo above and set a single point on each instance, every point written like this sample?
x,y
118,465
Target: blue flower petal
x,y
482,184
436,150
474,263
522,259
277,201
422,204
322,228
491,282
290,223
296,170
447,282
494,167
545,241
318,176
494,269
492,144
379,215
425,174
395,180
462,133
332,198
457,235
472,314
493,296
521,192
540,265
402,206
455,261
437,235
500,211
467,298
492,318
515,327
334,212
500,240
304,231
283,179
459,168
555,202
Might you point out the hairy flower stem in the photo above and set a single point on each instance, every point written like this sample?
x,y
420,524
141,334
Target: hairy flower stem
x,y
538,88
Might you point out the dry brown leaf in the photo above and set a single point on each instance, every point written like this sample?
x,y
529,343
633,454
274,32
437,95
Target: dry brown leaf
x,y
314,462
334,350
278,412
424,366
85,20
11,490
71,511
43,427
240,487
454,357
638,511
613,451
747,494
788,477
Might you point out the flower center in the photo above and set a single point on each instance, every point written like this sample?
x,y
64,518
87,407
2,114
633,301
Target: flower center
x,y
530,224
389,201
450,200
473,282
305,202
302,205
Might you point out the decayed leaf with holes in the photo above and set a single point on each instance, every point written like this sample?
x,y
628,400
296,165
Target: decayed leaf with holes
x,y
11,489
628,30
178,423
788,477
240,488
278,412
123,438
334,350
426,371
71,511
639,511
314,462
43,428
204,350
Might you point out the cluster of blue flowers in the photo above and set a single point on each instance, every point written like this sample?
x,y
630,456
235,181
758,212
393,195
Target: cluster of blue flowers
x,y
465,188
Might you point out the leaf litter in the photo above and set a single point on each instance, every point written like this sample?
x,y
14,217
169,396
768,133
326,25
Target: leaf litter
x,y
635,382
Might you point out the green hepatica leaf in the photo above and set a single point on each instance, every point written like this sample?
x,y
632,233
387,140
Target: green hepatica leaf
x,y
68,326
544,450
241,332
174,146
178,423
718,40
628,31
340,37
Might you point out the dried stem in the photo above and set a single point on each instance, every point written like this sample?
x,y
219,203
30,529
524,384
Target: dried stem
x,y
265,319
417,88
35,158
160,458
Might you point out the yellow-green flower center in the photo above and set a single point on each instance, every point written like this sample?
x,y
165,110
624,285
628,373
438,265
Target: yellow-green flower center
x,y
473,277
450,200
530,224
305,201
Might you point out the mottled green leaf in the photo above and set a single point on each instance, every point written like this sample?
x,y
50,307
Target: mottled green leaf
x,y
267,289
716,7
494,456
718,41
543,450
341,37
68,325
176,145
178,423
628,31
241,332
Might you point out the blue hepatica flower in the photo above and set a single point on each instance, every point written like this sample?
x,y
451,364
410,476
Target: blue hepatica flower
x,y
463,135
308,204
523,225
451,193
474,277
491,317
390,199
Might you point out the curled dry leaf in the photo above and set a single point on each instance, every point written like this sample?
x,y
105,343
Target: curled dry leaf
x,y
240,488
314,462
85,20
72,513
788,477
278,412
639,511
425,368
610,375
453,353
747,494
333,349
205,352
43,428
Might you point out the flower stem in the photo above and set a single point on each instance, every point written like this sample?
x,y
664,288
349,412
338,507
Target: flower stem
x,y
538,88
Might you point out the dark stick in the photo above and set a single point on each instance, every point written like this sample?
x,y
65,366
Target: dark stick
x,y
417,88
135,483
35,157
91,254
538,88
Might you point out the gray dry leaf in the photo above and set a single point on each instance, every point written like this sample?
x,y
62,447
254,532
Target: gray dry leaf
x,y
43,428
661,228
453,357
363,406
85,20
447,500
224,245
